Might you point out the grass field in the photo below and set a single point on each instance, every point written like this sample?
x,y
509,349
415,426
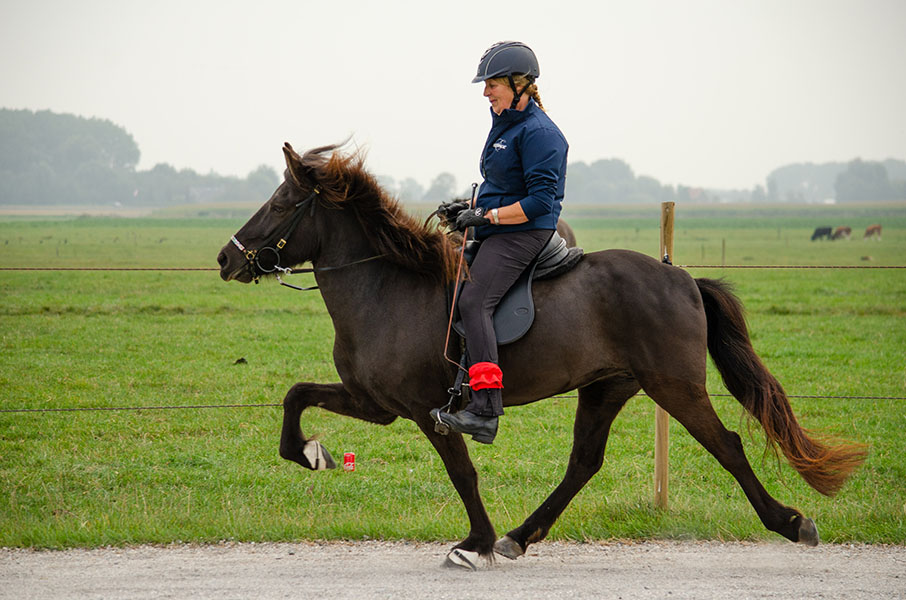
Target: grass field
x,y
109,339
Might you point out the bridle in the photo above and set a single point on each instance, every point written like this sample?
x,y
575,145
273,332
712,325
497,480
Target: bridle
x,y
266,258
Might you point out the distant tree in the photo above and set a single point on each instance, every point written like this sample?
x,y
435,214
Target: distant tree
x,y
612,181
758,195
693,195
898,189
388,184
896,169
160,186
441,189
410,190
48,158
803,182
262,182
863,181
51,158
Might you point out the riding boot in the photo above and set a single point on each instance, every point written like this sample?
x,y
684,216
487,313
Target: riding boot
x,y
482,429
479,419
485,404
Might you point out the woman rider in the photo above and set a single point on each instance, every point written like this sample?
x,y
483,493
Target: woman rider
x,y
524,169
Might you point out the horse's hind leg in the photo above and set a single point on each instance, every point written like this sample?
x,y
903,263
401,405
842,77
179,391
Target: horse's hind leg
x,y
335,398
599,404
689,404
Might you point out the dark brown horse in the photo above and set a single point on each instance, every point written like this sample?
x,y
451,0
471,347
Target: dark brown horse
x,y
618,323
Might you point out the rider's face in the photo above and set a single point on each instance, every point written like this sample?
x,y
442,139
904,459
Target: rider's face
x,y
499,94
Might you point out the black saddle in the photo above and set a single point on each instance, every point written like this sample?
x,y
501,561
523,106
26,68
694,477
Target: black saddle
x,y
514,315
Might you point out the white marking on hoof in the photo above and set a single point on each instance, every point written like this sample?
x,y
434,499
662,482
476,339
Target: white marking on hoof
x,y
507,546
462,559
316,456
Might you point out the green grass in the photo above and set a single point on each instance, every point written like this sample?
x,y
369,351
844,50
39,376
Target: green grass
x,y
88,339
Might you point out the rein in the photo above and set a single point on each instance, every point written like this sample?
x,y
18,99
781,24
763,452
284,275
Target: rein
x,y
266,259
462,254
288,271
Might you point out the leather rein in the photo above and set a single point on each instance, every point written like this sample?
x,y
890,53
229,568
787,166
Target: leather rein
x,y
266,259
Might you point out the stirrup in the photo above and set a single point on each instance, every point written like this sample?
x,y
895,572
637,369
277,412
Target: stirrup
x,y
455,392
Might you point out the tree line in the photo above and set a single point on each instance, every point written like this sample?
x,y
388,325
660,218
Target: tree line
x,y
48,158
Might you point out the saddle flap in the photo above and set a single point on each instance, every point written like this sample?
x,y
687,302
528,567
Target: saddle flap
x,y
516,311
514,315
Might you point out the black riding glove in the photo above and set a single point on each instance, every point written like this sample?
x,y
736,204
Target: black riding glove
x,y
448,211
472,217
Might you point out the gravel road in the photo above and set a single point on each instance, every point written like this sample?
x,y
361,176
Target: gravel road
x,y
639,571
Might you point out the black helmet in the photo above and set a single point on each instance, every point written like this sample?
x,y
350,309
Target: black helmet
x,y
507,58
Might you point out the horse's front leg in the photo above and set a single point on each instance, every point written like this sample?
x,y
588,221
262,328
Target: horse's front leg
x,y
480,541
333,397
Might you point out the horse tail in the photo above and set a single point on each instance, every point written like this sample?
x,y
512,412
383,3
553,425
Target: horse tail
x,y
824,467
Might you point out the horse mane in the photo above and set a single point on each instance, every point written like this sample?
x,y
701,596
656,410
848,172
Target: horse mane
x,y
390,230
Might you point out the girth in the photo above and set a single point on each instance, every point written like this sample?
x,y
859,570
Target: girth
x,y
516,311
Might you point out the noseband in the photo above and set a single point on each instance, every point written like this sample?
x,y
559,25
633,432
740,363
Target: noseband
x,y
266,259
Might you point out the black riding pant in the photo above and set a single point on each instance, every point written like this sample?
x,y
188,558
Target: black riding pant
x,y
500,261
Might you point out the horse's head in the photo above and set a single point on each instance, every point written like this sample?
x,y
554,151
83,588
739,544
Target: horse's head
x,y
357,222
275,238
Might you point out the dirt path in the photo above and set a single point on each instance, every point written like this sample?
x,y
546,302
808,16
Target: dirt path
x,y
638,571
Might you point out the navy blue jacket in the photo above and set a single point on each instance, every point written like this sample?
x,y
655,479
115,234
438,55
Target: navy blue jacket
x,y
524,160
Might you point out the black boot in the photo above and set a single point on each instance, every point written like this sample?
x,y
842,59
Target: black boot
x,y
482,429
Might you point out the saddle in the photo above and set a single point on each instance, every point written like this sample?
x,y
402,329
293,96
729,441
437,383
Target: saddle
x,y
514,315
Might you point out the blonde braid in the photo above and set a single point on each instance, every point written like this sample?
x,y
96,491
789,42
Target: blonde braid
x,y
533,92
521,82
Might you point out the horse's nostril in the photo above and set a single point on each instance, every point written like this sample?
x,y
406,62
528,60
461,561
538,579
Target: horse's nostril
x,y
222,259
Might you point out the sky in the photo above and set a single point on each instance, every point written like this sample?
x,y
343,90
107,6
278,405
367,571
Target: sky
x,y
710,93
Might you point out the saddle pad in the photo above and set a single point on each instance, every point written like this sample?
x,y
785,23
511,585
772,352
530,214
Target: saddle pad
x,y
514,314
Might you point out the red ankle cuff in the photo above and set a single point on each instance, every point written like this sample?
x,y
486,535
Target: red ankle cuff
x,y
485,375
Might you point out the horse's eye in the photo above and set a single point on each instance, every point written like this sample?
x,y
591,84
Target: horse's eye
x,y
278,209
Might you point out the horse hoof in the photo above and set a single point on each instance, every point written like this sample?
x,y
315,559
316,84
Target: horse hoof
x,y
462,559
317,456
808,532
507,546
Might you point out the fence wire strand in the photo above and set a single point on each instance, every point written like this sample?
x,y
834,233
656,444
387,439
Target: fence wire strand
x,y
274,404
680,266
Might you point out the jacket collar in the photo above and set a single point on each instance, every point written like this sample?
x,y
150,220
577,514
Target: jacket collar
x,y
509,115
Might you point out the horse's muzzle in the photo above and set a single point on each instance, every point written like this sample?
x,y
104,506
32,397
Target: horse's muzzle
x,y
229,272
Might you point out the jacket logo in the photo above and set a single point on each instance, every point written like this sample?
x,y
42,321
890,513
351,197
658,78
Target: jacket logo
x,y
500,144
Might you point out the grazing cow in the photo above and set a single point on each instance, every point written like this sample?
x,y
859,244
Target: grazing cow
x,y
872,231
821,232
842,232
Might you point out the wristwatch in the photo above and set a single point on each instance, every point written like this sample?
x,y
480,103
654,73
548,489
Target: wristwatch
x,y
495,218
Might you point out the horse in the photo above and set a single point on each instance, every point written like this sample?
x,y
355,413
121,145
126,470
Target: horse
x,y
618,323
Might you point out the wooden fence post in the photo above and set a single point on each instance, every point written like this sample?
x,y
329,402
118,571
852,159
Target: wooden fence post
x,y
661,418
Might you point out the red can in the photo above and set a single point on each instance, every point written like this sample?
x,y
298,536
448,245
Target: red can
x,y
349,461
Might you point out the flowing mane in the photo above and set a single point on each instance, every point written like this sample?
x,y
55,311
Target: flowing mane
x,y
390,230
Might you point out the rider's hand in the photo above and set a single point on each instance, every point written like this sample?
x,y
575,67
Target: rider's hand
x,y
472,217
448,211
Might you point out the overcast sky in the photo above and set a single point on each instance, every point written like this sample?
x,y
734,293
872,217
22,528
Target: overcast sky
x,y
713,93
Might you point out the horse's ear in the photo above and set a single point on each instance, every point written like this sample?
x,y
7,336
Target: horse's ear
x,y
293,163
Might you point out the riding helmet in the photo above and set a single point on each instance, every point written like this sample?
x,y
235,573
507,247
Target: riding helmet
x,y
507,58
